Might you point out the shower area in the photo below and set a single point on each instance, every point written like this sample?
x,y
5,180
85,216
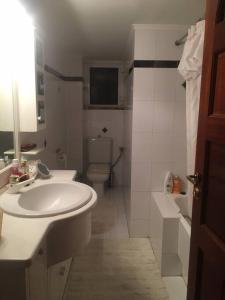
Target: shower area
x,y
164,93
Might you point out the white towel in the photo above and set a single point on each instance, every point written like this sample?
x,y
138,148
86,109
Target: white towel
x,y
191,61
190,68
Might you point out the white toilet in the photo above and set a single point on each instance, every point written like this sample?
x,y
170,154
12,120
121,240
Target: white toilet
x,y
99,162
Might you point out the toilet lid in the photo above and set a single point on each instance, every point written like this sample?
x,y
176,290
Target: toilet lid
x,y
99,168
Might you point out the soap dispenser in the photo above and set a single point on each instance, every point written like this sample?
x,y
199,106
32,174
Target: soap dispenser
x,y
168,183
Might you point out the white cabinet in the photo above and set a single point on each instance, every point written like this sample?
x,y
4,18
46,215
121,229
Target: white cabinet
x,y
26,67
46,283
57,277
31,92
6,104
36,276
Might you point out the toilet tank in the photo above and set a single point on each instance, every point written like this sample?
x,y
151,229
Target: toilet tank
x,y
99,150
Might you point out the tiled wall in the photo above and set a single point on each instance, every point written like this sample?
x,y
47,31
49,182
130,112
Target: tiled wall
x,y
64,125
158,132
113,121
128,118
55,124
63,113
73,103
128,145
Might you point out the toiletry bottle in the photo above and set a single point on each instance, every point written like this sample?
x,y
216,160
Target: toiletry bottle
x,y
2,164
168,183
15,167
24,167
177,185
7,162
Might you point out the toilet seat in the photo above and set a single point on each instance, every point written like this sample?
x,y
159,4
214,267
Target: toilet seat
x,y
99,168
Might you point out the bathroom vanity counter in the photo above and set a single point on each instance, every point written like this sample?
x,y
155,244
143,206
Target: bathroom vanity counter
x,y
21,237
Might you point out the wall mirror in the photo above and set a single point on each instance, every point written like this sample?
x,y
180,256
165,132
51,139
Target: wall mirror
x,y
17,78
6,112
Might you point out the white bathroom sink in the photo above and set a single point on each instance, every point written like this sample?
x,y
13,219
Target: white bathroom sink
x,y
46,199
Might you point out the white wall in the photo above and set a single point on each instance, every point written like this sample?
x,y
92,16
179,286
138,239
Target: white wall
x,y
73,103
64,126
128,146
158,132
112,119
128,116
66,63
55,124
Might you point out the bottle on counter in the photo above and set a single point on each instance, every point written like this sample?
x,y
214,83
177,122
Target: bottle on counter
x,y
177,185
15,169
168,183
6,159
24,168
2,163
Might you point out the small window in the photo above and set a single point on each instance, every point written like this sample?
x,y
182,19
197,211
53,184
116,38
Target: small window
x,y
104,86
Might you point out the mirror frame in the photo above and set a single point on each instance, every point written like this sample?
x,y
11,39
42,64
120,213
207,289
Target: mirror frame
x,y
16,120
16,129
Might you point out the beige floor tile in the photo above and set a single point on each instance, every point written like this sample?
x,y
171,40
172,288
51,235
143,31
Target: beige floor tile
x,y
113,266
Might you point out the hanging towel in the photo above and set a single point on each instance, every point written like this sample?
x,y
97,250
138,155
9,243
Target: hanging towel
x,y
190,68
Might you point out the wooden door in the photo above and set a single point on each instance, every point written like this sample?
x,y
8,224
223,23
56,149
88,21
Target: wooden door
x,y
207,258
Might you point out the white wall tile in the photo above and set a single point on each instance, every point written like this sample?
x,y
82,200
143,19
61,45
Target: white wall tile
x,y
143,112
143,89
165,44
145,44
179,118
140,177
55,132
162,147
73,103
163,116
178,146
159,130
165,84
140,205
141,147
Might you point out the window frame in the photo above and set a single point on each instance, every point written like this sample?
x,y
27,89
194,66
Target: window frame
x,y
103,64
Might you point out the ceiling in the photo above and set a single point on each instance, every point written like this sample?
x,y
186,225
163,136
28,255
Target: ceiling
x,y
99,29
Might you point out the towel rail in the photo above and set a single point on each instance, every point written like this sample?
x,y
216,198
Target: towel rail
x,y
182,40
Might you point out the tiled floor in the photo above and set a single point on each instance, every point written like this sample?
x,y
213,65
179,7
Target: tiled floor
x,y
114,266
108,217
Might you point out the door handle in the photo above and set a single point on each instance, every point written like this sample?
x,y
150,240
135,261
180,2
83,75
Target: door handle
x,y
196,181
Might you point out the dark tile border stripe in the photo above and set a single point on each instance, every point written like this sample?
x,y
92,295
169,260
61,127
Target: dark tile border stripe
x,y
62,77
53,72
104,108
169,64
